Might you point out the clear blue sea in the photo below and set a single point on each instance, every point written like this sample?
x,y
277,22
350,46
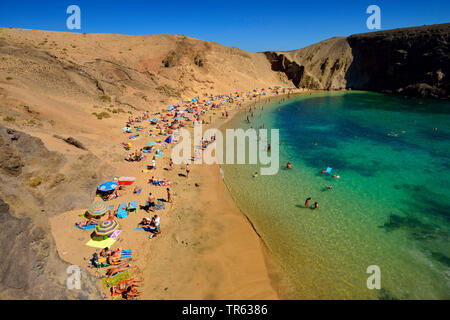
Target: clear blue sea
x,y
390,207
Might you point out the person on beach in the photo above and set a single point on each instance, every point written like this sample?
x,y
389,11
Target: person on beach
x,y
171,164
151,202
105,252
307,202
154,163
188,169
169,196
156,223
85,223
130,293
113,271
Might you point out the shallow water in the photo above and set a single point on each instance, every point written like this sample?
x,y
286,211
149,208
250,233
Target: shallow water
x,y
390,207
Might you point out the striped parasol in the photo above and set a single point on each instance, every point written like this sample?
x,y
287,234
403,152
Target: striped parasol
x,y
98,208
105,228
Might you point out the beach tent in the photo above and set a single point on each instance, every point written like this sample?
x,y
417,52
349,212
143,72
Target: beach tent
x,y
169,139
98,209
105,228
107,186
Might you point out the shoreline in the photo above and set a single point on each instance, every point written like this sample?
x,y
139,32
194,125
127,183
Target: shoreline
x,y
207,249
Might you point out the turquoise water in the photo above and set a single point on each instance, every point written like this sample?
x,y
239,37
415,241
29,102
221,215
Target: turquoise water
x,y
389,208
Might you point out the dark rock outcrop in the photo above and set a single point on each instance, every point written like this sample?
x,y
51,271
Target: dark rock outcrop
x,y
36,183
410,61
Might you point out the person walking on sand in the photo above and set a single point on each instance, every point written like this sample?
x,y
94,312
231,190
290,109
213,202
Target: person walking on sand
x,y
154,163
188,169
169,196
307,201
170,164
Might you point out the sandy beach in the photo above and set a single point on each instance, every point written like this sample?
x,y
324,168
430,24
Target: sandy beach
x,y
207,249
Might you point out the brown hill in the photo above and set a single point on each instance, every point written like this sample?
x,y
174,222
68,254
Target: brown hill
x,y
410,61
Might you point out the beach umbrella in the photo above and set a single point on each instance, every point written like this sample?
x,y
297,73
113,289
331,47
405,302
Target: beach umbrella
x,y
105,228
151,143
107,186
98,208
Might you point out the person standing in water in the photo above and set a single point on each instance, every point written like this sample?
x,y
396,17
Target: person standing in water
x,y
307,201
288,165
188,169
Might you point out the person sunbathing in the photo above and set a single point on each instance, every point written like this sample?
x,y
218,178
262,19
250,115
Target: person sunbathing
x,y
85,223
105,252
145,222
130,293
114,195
123,286
136,189
115,270
112,215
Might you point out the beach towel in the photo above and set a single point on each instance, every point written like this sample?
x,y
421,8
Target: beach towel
x,y
122,213
89,227
132,205
101,244
125,254
160,206
123,205
149,229
115,234
118,278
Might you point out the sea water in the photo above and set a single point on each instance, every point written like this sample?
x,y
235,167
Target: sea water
x,y
390,208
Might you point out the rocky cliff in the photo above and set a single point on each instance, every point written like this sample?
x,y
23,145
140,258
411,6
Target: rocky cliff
x,y
36,183
410,61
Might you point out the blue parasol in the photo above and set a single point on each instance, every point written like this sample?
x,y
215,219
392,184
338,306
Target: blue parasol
x,y
108,186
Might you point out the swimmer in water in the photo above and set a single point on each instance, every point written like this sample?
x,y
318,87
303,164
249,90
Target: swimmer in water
x,y
255,174
307,201
316,205
288,165
336,176
329,187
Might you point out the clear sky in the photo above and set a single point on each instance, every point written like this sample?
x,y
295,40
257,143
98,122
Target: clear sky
x,y
249,25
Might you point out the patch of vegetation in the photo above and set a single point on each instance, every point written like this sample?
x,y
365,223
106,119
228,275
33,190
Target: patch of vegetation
x,y
101,115
9,119
36,181
9,78
31,121
130,112
105,98
169,91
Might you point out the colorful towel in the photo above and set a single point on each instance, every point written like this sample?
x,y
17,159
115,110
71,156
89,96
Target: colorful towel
x,y
122,213
133,205
118,278
115,234
101,244
145,229
125,254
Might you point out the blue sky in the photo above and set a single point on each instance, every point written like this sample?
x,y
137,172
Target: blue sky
x,y
250,25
